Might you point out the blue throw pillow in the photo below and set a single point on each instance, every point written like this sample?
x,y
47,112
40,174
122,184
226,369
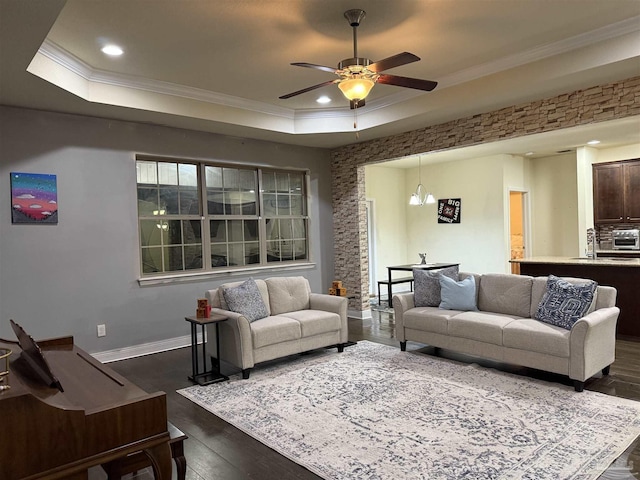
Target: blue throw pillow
x,y
564,303
246,300
458,295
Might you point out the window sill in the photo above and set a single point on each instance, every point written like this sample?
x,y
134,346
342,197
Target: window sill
x,y
211,275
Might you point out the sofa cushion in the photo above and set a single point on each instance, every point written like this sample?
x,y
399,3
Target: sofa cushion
x,y
315,322
531,335
458,295
216,297
564,303
274,329
504,293
481,326
428,319
426,285
246,300
288,294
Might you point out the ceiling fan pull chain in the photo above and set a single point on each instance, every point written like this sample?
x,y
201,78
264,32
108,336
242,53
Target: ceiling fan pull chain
x,y
355,122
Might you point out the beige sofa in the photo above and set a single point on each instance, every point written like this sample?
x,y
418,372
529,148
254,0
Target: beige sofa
x,y
297,321
503,328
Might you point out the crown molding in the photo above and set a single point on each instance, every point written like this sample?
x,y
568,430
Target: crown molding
x,y
541,52
67,60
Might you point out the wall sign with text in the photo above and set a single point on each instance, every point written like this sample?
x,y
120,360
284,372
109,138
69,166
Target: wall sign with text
x,y
449,210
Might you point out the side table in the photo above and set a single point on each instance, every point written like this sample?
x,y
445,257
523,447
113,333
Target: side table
x,y
207,376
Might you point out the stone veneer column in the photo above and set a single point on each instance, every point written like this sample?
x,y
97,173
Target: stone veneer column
x,y
597,104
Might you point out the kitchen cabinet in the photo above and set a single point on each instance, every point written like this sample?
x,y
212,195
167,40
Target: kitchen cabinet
x,y
616,192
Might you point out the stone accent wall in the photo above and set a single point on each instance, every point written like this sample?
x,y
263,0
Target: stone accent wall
x,y
597,104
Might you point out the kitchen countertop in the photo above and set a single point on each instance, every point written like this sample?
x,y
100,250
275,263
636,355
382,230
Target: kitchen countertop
x,y
605,262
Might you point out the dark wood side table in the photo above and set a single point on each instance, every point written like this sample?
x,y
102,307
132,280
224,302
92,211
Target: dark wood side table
x,y
206,376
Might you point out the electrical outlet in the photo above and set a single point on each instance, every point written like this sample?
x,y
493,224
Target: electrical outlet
x,y
102,330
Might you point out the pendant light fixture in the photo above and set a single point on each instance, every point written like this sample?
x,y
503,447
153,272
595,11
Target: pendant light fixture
x,y
416,197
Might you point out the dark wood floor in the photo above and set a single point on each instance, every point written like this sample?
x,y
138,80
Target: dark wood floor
x,y
217,451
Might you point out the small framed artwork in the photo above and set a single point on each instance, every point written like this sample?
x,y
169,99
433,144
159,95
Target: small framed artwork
x,y
449,210
34,198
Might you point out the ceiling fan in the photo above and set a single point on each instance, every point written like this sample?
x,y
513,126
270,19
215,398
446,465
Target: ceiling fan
x,y
357,76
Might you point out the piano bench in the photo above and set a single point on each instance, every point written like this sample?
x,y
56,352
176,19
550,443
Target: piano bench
x,y
115,469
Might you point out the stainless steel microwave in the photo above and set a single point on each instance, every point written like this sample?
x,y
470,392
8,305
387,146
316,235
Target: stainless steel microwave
x,y
626,239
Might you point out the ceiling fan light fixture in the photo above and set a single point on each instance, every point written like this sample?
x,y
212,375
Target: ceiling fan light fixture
x,y
356,87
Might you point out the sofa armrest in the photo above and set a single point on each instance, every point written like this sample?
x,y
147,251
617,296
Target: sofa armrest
x,y
401,303
593,343
334,304
236,342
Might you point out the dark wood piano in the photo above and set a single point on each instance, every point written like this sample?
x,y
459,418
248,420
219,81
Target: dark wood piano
x,y
80,414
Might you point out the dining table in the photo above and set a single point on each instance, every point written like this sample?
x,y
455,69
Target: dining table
x,y
410,267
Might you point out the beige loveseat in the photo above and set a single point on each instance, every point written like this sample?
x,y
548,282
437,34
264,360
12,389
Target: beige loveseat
x,y
504,329
297,321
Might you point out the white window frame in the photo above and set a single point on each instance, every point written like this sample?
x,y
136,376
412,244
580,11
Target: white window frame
x,y
207,270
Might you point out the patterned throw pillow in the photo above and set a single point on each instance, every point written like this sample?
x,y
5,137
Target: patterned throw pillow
x,y
564,303
427,285
458,295
246,300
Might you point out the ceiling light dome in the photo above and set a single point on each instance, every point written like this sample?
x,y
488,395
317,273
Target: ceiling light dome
x,y
112,50
356,87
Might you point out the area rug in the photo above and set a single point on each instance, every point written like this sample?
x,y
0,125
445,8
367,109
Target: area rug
x,y
374,412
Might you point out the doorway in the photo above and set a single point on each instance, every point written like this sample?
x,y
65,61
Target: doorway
x,y
516,228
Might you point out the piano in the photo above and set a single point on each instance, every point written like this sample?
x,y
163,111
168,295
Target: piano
x,y
65,412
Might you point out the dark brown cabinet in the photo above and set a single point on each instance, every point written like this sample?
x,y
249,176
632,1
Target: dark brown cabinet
x,y
616,192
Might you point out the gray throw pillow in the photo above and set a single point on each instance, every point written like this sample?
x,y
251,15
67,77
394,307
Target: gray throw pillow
x,y
246,300
426,285
564,303
458,295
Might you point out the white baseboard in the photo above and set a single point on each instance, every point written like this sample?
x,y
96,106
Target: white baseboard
x,y
144,349
178,342
359,314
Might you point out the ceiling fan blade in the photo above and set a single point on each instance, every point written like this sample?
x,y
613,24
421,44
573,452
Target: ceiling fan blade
x,y
416,83
308,89
313,65
392,62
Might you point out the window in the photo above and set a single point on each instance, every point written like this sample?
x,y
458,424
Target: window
x,y
203,217
284,207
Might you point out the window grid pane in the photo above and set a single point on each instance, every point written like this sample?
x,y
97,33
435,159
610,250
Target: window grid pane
x,y
285,209
171,227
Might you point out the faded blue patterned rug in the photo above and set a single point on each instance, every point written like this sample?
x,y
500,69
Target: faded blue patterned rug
x,y
374,412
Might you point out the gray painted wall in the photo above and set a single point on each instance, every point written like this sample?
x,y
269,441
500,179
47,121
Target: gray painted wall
x,y
67,278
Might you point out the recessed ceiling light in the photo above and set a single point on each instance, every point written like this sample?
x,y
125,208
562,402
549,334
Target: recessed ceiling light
x,y
112,50
528,154
593,142
323,99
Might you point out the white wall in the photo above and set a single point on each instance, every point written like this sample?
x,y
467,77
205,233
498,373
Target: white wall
x,y
67,278
386,186
480,241
627,152
559,194
554,207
